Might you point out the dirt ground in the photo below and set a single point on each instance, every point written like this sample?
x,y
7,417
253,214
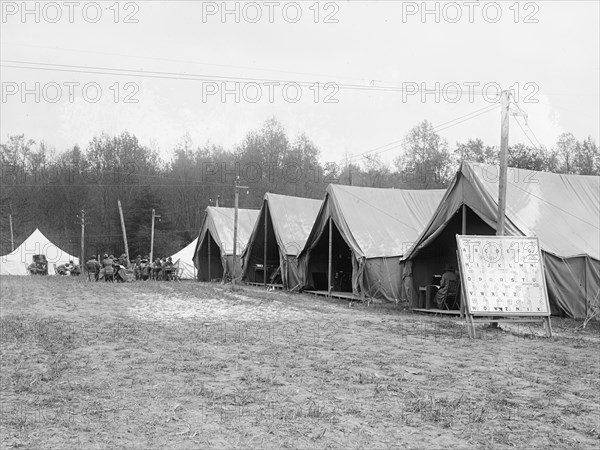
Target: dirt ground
x,y
191,365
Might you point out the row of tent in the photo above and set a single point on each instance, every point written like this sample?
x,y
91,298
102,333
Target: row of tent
x,y
385,243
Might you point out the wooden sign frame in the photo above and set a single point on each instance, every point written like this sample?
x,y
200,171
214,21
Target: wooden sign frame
x,y
498,314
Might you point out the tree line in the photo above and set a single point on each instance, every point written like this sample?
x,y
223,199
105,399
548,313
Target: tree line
x,y
49,189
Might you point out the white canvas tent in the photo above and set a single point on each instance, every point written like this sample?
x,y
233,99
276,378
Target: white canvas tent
x,y
213,255
16,263
366,231
286,222
184,259
563,211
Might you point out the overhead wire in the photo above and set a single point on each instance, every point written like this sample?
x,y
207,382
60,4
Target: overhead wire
x,y
97,70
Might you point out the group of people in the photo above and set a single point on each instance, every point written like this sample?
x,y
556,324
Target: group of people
x,y
68,269
160,269
121,269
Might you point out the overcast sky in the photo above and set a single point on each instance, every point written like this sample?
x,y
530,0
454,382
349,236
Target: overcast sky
x,y
374,54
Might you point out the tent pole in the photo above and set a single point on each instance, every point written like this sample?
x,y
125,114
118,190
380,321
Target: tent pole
x,y
329,260
208,245
464,220
265,245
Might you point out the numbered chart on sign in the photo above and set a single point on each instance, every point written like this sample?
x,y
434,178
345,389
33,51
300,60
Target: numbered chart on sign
x,y
503,274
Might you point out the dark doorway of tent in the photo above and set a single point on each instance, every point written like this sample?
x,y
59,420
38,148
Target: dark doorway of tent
x,y
341,264
429,264
261,269
208,260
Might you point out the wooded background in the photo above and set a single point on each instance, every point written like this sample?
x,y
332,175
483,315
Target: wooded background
x,y
46,188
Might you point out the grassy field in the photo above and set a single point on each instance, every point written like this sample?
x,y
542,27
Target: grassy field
x,y
189,365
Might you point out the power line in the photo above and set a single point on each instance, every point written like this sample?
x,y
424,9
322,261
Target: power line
x,y
443,126
193,62
17,64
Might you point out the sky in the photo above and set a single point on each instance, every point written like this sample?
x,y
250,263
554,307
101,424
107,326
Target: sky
x,y
354,76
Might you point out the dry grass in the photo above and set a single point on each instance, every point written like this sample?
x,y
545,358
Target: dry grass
x,y
188,365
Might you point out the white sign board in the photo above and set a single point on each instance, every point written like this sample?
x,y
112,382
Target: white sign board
x,y
503,276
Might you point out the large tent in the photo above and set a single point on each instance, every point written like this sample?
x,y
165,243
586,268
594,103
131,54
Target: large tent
x,y
184,259
279,235
366,231
213,255
16,263
563,211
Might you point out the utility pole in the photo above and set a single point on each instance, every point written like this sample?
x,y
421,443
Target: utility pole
x,y
82,260
12,239
235,225
503,164
505,109
154,216
123,229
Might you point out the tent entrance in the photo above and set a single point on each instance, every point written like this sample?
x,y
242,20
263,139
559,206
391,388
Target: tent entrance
x,y
255,273
431,260
341,262
210,266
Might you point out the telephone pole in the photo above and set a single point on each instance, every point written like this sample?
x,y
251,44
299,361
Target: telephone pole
x,y
235,225
82,260
123,228
503,163
505,109
12,239
154,216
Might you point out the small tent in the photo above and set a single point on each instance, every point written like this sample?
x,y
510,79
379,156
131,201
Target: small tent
x,y
16,263
213,255
278,237
184,259
366,231
563,211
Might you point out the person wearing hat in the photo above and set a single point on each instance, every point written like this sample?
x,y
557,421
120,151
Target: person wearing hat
x,y
93,267
137,269
107,266
448,277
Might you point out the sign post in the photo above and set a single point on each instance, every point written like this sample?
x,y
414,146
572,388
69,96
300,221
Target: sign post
x,y
503,277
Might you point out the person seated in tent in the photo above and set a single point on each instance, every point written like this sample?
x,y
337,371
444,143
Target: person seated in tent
x,y
93,267
448,277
